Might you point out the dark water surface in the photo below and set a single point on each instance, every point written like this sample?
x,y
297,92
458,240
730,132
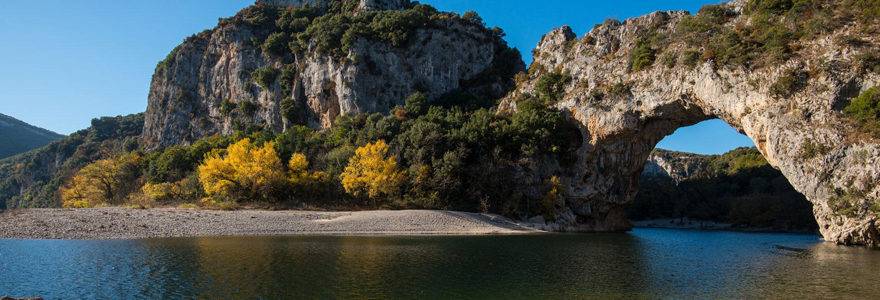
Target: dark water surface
x,y
646,263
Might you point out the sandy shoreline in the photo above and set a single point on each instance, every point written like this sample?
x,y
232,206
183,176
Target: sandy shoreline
x,y
121,223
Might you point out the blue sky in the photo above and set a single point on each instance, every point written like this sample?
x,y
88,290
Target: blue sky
x,y
66,62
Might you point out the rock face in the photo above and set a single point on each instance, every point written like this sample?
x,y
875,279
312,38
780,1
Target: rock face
x,y
621,128
188,90
675,165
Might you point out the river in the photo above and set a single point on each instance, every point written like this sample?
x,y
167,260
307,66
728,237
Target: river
x,y
642,264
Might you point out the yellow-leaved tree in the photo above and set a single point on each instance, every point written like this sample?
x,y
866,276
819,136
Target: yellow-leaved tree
x,y
372,172
303,182
103,182
244,172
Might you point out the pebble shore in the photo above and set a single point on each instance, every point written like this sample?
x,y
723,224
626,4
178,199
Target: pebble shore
x,y
122,223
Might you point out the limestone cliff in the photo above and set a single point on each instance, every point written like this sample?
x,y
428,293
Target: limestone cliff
x,y
675,165
208,84
790,108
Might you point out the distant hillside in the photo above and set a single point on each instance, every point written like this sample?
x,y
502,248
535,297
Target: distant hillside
x,y
18,137
32,179
738,187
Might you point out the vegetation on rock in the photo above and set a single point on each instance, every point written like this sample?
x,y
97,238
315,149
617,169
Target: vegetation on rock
x,y
773,28
865,110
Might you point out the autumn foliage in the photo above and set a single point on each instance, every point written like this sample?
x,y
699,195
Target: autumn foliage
x,y
103,182
371,172
248,172
245,171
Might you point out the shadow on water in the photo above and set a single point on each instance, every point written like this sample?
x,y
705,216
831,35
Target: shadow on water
x,y
647,263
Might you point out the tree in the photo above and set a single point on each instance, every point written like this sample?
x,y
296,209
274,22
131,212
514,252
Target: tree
x,y
473,17
300,178
103,182
416,104
245,172
372,172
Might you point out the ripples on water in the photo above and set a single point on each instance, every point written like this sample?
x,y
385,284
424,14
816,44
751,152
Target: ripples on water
x,y
646,263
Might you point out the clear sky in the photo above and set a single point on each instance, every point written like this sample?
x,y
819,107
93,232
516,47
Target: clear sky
x,y
65,62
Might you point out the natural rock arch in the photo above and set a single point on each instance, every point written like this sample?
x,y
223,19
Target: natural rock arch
x,y
623,115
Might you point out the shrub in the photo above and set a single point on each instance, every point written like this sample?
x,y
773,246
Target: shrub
x,y
168,62
247,108
730,49
868,10
768,6
850,203
865,107
643,55
810,149
265,76
226,107
276,44
789,84
691,58
620,90
551,86
696,29
669,60
288,76
865,110
869,62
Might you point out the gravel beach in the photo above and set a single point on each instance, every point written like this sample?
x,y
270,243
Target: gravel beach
x,y
121,223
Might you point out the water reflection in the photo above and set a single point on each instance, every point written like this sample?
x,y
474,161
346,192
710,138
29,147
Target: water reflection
x,y
652,263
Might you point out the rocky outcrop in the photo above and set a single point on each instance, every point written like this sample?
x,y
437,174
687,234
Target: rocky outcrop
x,y
383,4
193,89
363,5
623,114
675,165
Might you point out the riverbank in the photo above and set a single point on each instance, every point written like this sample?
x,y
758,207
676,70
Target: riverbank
x,y
122,223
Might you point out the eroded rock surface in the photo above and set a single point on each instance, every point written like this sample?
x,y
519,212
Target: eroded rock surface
x,y
621,127
189,89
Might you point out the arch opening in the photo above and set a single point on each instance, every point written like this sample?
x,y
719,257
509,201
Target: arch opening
x,y
710,176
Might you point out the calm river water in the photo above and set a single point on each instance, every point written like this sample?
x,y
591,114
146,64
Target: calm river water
x,y
645,263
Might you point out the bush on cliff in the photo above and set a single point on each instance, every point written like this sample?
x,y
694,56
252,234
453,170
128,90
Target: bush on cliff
x,y
865,110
